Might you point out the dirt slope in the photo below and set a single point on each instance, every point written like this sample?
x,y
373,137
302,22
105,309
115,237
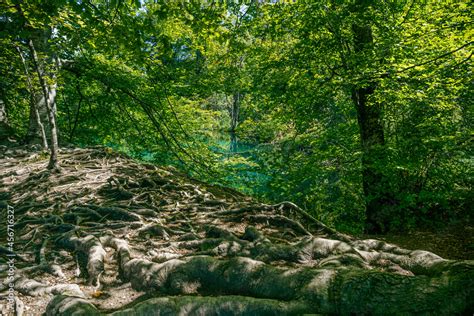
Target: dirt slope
x,y
110,235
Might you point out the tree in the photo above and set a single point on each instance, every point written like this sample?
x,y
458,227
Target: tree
x,y
48,91
318,86
4,126
49,96
329,56
35,127
369,117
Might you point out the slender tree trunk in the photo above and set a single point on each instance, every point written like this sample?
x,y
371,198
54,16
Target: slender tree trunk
x,y
76,117
4,126
234,110
369,115
49,94
36,131
3,113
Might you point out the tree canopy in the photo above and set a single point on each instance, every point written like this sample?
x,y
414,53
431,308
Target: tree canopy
x,y
236,157
360,111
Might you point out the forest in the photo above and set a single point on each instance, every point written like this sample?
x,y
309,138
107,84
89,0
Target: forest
x,y
236,157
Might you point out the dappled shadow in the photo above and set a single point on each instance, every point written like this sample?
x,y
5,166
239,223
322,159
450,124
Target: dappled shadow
x,y
108,227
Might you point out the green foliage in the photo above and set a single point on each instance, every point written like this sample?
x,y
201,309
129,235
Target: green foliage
x,y
156,80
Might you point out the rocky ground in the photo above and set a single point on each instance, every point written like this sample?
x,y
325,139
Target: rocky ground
x,y
109,235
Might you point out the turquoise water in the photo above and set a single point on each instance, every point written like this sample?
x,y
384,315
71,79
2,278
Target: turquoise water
x,y
225,145
241,159
239,162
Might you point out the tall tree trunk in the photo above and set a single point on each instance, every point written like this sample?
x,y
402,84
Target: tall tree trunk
x,y
369,115
36,132
49,94
234,110
3,113
5,129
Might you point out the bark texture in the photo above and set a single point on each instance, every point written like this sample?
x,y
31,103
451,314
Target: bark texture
x,y
369,116
49,97
4,126
234,111
36,131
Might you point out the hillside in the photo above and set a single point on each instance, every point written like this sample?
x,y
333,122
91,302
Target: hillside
x,y
111,235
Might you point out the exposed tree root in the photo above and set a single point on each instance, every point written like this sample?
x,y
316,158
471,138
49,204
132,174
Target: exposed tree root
x,y
184,305
95,256
35,288
134,228
70,305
